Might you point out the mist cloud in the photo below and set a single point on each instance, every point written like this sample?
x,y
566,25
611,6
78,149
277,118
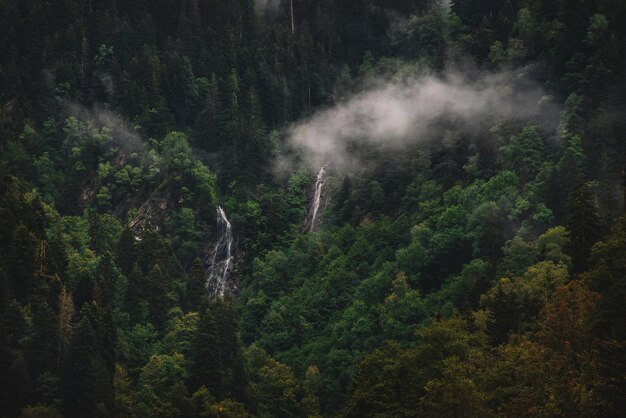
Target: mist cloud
x,y
126,139
269,7
394,114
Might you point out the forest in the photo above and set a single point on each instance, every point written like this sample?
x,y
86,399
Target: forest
x,y
312,208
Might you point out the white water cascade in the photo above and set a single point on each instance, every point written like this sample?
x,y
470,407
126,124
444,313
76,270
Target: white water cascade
x,y
221,268
313,219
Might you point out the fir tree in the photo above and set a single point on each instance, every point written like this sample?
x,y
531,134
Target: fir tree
x,y
583,225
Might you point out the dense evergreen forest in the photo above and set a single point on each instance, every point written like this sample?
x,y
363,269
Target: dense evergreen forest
x,y
400,208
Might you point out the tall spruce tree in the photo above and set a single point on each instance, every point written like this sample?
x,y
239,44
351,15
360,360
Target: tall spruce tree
x,y
79,371
218,360
583,225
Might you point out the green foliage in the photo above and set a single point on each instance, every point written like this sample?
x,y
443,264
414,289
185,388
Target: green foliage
x,y
161,386
80,391
40,411
606,278
402,310
217,361
467,274
583,225
273,386
522,154
513,304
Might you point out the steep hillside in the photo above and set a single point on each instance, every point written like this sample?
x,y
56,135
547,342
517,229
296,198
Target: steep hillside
x,y
230,208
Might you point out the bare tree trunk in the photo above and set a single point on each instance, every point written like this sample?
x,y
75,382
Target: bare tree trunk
x,y
293,25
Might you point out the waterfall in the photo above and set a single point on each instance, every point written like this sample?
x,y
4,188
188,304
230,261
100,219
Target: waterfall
x,y
317,200
222,264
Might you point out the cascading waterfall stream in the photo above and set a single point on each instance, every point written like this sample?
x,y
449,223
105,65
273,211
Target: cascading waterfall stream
x,y
222,262
317,200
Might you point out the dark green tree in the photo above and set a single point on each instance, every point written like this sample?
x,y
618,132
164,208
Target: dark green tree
x,y
43,345
196,286
136,297
218,360
157,296
126,253
80,370
583,225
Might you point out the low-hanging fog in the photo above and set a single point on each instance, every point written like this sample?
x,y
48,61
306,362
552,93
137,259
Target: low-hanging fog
x,y
267,6
397,112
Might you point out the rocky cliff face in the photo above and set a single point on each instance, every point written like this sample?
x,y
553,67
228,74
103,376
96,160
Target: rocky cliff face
x,y
154,212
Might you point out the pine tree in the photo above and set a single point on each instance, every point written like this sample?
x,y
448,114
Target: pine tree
x,y
157,297
233,380
135,300
583,225
106,281
607,278
218,361
66,321
102,322
126,251
206,360
79,371
21,257
15,385
43,344
56,256
196,286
